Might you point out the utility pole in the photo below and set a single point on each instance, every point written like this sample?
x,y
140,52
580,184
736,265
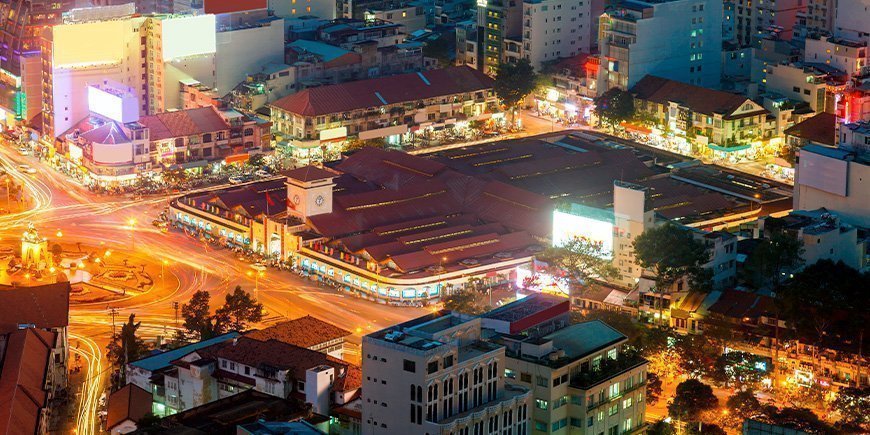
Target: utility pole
x,y
113,312
175,306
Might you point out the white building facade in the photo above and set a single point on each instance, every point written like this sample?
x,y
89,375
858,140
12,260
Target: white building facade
x,y
554,29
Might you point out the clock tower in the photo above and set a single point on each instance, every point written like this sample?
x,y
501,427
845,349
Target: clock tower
x,y
309,191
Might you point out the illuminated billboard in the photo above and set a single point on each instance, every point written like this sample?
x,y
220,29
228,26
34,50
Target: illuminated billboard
x,y
113,104
86,44
188,36
586,222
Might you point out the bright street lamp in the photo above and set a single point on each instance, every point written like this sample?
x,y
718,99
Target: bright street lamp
x,y
258,268
132,223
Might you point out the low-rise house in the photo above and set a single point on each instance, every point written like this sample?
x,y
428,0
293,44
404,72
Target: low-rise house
x,y
126,407
715,122
820,129
389,108
345,32
33,355
307,332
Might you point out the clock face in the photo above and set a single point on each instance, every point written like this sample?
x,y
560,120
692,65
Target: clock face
x,y
318,200
296,199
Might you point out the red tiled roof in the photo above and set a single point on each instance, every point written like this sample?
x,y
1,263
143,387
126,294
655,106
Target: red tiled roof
x,y
701,100
283,356
108,133
45,306
304,332
181,123
309,173
739,304
22,377
129,403
378,92
821,128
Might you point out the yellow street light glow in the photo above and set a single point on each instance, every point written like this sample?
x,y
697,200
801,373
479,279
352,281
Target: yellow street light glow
x,y
358,330
97,260
165,261
52,269
59,233
131,222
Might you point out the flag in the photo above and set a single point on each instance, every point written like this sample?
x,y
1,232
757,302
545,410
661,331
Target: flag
x,y
290,204
269,199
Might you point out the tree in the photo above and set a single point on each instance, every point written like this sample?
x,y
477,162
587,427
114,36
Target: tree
x,y
743,405
738,369
697,356
197,316
771,260
800,419
671,253
583,259
56,252
513,82
661,427
126,346
464,301
614,106
653,388
826,302
239,310
853,404
705,429
440,49
692,398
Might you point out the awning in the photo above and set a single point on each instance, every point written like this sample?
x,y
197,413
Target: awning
x,y
729,149
635,128
238,158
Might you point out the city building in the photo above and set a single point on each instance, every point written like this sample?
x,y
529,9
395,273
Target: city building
x,y
261,427
820,129
33,356
823,237
819,16
830,178
554,29
635,37
756,20
798,82
850,20
126,407
307,332
291,9
580,378
20,56
848,56
715,122
568,95
611,193
410,16
346,33
498,35
392,108
446,355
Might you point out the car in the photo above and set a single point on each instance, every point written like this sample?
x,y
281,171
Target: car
x,y
26,169
236,179
23,151
262,174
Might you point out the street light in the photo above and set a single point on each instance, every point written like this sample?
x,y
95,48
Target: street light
x,y
59,234
259,272
132,223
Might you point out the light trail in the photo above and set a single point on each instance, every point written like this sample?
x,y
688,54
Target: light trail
x,y
87,422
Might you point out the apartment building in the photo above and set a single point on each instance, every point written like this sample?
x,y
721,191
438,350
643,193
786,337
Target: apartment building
x,y
582,381
499,33
554,29
346,33
798,82
715,121
678,39
759,19
845,55
832,177
437,374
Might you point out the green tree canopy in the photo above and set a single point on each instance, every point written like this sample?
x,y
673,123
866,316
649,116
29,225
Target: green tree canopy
x,y
239,310
514,81
582,259
772,259
465,301
738,369
614,106
692,398
743,405
697,355
853,405
198,321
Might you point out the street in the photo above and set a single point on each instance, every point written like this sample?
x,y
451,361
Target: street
x,y
99,220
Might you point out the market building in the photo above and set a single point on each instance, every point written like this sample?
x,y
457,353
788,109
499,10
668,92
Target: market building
x,y
321,120
384,224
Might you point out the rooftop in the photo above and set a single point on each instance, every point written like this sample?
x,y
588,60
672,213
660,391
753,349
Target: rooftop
x,y
44,306
378,92
304,332
164,359
525,307
821,129
131,402
699,99
24,358
583,339
181,123
325,51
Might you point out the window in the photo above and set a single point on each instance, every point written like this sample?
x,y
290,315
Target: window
x,y
409,366
589,422
559,424
542,404
614,390
626,403
526,377
432,367
626,425
575,422
611,353
540,425
300,386
448,361
613,409
510,374
542,381
576,400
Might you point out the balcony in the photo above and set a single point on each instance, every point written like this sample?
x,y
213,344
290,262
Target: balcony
x,y
608,369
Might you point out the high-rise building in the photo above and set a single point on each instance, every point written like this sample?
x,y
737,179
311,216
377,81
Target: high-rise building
x,y
22,23
677,39
761,18
852,20
554,29
499,33
438,374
